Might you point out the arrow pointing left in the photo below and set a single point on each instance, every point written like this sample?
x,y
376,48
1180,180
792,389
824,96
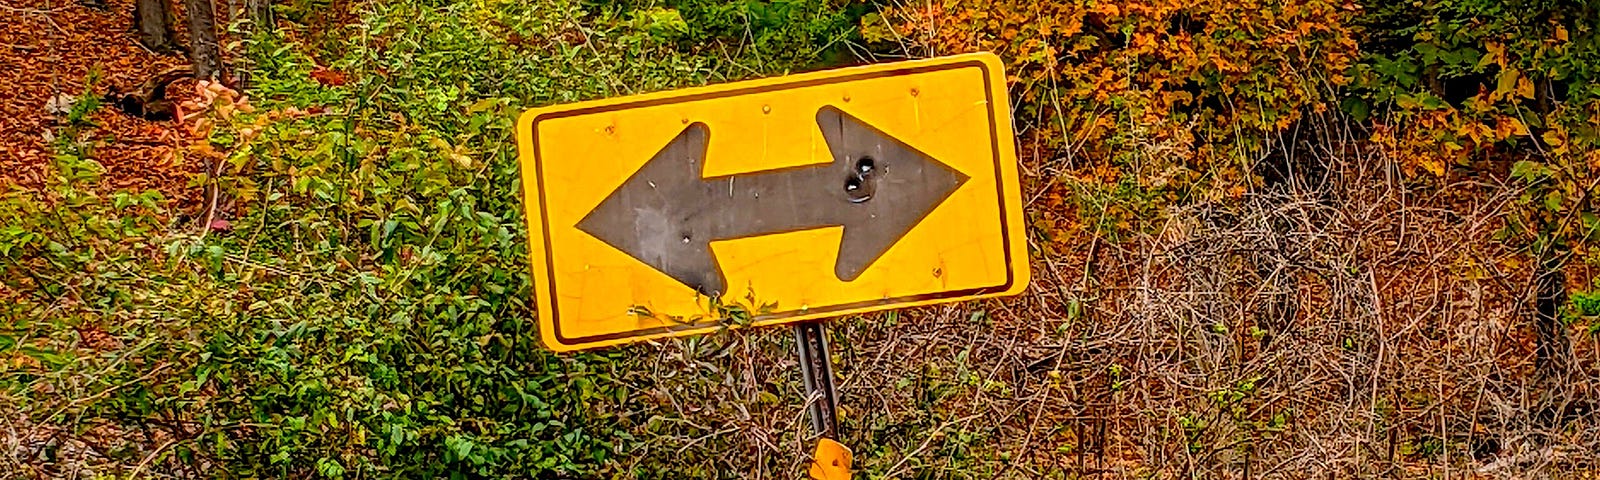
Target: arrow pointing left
x,y
667,214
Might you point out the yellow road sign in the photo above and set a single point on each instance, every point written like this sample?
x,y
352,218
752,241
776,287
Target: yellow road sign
x,y
821,194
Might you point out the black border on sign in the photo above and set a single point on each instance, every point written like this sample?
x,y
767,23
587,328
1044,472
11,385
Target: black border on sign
x,y
995,156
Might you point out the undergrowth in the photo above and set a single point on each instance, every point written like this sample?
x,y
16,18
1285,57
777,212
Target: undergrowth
x,y
363,308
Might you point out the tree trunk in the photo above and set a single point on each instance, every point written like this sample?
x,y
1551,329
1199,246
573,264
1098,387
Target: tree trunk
x,y
259,12
258,21
153,20
1557,402
203,49
1553,350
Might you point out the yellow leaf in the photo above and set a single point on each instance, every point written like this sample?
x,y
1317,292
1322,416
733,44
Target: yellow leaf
x,y
1525,87
1556,138
1497,53
1506,84
482,105
1517,127
1553,138
1432,165
1406,102
1561,33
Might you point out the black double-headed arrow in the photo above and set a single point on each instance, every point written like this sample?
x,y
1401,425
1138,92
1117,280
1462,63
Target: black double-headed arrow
x,y
667,213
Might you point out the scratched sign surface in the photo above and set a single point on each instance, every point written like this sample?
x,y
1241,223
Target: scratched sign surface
x,y
818,195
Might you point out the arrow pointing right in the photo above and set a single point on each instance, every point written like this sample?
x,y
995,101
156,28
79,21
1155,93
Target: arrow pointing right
x,y
877,187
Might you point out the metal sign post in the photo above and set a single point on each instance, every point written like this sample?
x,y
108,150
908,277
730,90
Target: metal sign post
x,y
832,459
816,370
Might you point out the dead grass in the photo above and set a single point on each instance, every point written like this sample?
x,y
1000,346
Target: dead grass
x,y
1345,325
48,49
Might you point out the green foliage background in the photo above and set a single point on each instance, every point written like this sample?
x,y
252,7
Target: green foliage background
x,y
368,314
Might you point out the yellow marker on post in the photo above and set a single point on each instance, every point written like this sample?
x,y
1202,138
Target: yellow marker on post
x,y
831,461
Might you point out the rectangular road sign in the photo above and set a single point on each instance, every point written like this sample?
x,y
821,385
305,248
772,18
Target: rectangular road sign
x,y
822,194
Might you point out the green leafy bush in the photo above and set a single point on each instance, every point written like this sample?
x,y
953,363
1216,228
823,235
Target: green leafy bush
x,y
367,312
772,35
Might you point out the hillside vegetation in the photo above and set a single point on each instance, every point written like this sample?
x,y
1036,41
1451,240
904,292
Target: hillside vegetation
x,y
1297,239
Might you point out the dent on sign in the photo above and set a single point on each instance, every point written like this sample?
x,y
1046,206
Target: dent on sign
x,y
818,195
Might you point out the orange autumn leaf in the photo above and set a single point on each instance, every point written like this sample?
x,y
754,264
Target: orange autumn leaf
x,y
329,77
